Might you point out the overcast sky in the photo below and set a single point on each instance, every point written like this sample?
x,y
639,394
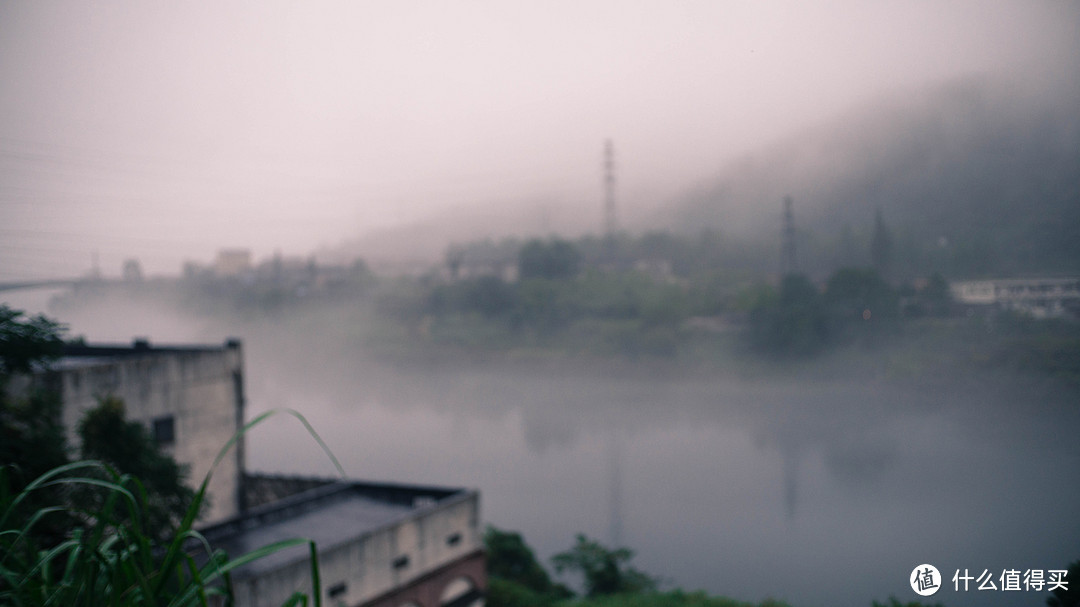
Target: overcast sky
x,y
166,130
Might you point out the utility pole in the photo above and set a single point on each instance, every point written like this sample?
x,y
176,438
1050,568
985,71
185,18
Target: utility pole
x,y
609,194
787,253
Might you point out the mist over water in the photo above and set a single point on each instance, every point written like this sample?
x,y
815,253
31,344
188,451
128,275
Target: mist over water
x,y
820,489
814,492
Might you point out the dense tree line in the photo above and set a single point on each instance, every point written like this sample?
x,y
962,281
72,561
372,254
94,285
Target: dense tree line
x,y
642,308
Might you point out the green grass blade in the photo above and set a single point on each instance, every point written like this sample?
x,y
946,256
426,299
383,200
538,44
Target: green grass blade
x,y
316,584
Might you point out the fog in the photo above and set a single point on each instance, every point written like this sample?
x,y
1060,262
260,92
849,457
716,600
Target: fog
x,y
163,131
819,486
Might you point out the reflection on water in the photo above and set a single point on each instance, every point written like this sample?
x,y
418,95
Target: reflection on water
x,y
615,493
816,491
820,493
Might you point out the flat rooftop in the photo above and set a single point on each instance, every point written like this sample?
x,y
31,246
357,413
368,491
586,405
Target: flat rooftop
x,y
330,515
78,355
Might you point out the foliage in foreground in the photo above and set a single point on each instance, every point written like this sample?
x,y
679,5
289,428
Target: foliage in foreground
x,y
33,440
110,557
84,533
517,579
512,564
604,571
108,436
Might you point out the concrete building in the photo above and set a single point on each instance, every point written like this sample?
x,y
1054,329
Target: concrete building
x,y
379,544
191,399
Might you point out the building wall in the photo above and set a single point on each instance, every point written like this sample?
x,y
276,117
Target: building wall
x,y
459,584
1038,297
201,390
417,556
262,489
232,262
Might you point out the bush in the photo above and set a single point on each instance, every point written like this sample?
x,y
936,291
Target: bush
x,y
554,260
792,323
110,556
604,571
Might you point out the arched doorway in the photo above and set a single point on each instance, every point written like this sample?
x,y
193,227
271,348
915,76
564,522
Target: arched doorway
x,y
461,592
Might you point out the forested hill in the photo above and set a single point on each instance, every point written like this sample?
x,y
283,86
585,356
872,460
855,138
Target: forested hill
x,y
969,181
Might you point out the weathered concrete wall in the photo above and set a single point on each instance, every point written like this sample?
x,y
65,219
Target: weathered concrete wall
x,y
460,583
418,557
201,390
261,489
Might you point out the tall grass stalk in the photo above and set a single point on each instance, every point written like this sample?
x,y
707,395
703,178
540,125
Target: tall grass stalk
x,y
108,556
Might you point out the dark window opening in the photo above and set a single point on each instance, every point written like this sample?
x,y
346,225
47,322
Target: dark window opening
x,y
336,590
238,388
164,430
453,539
401,562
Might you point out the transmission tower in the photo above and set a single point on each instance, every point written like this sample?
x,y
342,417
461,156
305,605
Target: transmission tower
x,y
609,191
787,253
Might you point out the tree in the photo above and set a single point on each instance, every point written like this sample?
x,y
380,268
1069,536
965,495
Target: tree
x,y
791,323
860,294
489,296
510,558
25,343
936,296
555,260
31,435
515,577
540,305
604,571
107,436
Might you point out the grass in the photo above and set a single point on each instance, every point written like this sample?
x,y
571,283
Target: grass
x,y
108,556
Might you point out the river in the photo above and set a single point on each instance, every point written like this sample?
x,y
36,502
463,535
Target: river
x,y
817,489
817,492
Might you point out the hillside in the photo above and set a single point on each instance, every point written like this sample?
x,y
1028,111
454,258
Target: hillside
x,y
969,181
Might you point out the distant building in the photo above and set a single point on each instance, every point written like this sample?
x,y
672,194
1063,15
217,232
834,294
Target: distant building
x,y
232,262
132,271
1037,297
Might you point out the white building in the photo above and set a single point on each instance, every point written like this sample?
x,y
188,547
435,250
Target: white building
x,y
191,399
1038,297
379,544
